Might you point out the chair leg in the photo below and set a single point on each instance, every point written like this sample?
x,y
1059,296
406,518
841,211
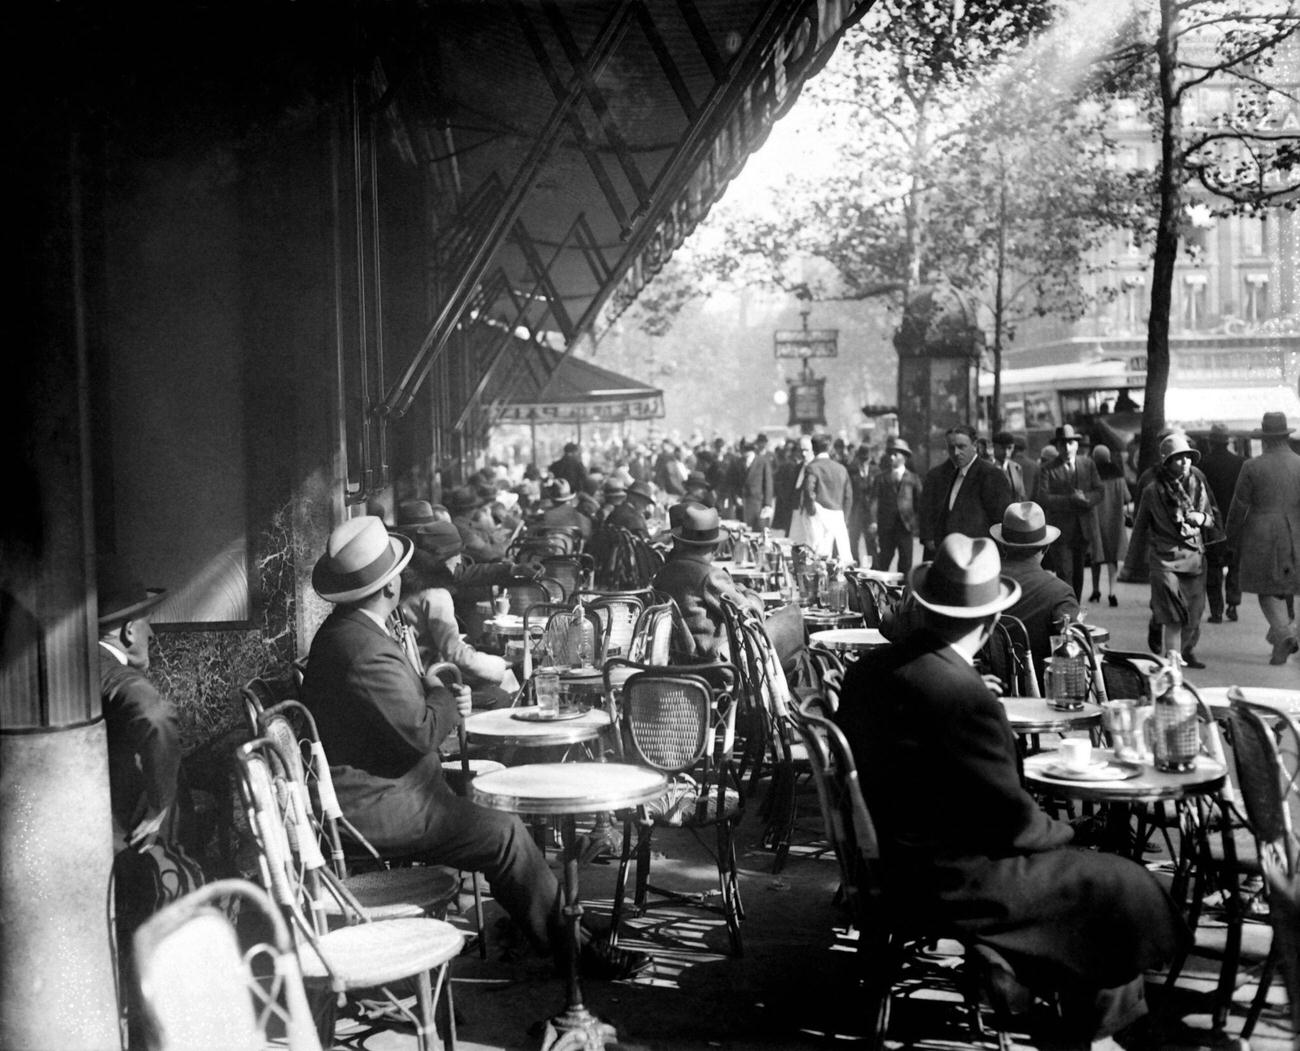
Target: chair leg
x,y
643,836
1261,994
478,917
729,884
426,1027
620,884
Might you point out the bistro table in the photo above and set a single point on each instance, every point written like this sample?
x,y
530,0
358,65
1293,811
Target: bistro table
x,y
818,619
1138,784
1033,715
522,727
850,640
564,790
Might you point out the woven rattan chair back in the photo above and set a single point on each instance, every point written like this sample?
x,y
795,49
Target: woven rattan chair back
x,y
667,720
571,572
1007,655
653,636
617,616
199,991
522,594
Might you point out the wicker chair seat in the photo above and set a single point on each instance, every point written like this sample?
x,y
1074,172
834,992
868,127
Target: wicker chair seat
x,y
374,954
683,806
392,894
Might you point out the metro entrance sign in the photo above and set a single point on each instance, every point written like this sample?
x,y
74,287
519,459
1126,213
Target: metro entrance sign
x,y
807,343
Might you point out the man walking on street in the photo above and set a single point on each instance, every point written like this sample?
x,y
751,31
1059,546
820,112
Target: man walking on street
x,y
1068,489
1221,466
892,511
963,494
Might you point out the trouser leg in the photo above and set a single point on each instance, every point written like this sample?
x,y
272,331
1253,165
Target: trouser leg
x,y
903,541
1214,584
472,837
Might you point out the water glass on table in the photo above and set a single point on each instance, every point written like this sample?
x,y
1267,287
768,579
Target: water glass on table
x,y
1126,721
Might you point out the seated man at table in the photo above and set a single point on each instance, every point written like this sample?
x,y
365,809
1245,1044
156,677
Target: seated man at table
x,y
381,729
1045,599
963,843
690,579
428,610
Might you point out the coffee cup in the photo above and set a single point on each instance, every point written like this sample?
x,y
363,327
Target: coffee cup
x,y
1076,753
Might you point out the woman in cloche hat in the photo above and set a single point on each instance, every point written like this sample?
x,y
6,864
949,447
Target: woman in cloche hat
x,y
1174,513
1264,531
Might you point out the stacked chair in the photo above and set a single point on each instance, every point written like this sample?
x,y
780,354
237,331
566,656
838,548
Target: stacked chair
x,y
337,939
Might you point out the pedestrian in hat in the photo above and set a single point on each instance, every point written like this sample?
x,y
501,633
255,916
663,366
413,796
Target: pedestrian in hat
x,y
755,485
863,471
1069,489
1174,513
1222,467
893,507
964,848
144,750
1264,532
560,511
1004,453
1023,536
571,468
1110,535
698,586
381,730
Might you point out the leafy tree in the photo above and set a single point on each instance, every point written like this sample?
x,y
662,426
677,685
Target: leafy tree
x,y
1235,158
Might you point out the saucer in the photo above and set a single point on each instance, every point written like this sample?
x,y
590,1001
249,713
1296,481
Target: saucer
x,y
1097,770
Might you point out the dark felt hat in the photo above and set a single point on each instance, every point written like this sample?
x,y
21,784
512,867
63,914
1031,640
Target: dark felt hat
x,y
441,539
122,596
1273,425
464,498
697,524
642,490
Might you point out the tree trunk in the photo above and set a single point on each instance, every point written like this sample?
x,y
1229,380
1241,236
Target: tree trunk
x,y
995,412
1166,248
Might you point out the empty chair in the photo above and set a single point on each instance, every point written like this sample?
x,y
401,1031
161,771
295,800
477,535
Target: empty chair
x,y
200,990
572,572
1007,655
365,955
617,616
677,723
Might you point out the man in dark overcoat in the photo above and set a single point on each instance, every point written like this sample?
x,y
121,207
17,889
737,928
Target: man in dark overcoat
x,y
964,494
381,729
962,842
755,486
1068,490
1221,467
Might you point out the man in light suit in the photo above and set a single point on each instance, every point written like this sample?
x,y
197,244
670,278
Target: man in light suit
x,y
893,501
381,729
755,486
1068,489
963,845
964,494
1004,450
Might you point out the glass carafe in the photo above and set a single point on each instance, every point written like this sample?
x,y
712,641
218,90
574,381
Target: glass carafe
x,y
1174,728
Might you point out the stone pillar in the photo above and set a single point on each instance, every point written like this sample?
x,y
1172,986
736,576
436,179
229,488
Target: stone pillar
x,y
56,969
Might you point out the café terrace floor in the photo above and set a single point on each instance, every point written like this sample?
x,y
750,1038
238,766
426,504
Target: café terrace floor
x,y
792,987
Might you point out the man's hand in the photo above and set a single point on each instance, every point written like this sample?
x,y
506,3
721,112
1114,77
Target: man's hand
x,y
464,700
994,684
766,513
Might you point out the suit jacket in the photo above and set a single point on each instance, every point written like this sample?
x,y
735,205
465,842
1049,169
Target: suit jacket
x,y
1044,600
963,843
1016,476
697,586
982,498
380,730
894,505
755,487
1055,494
826,483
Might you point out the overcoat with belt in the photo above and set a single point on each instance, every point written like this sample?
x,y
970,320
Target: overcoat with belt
x,y
1264,523
962,842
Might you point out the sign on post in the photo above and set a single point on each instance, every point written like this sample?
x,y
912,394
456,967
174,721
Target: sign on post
x,y
807,342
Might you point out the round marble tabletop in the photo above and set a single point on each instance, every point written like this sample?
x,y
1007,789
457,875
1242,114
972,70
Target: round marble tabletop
x,y
501,726
849,638
567,788
1149,786
1033,715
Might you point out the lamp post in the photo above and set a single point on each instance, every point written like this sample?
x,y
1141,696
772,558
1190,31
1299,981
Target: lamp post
x,y
807,399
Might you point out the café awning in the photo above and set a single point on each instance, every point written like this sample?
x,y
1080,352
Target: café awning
x,y
583,142
556,388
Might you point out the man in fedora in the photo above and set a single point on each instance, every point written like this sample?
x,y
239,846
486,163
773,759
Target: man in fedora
x,y
144,749
1068,490
1004,458
1045,599
690,579
963,494
558,509
1221,467
755,485
893,505
962,844
1264,531
381,729
631,514
484,542
571,468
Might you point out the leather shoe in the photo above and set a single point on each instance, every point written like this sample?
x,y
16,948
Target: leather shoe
x,y
1232,612
1282,649
1113,601
1154,637
1190,661
1216,619
1095,597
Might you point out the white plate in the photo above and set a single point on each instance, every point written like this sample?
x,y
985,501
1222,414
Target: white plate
x,y
1097,770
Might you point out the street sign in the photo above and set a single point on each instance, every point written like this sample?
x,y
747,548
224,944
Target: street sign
x,y
808,402
807,342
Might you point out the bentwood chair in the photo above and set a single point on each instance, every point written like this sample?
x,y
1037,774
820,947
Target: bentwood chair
x,y
572,572
200,990
617,616
365,956
1266,753
888,944
622,559
1008,656
678,723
